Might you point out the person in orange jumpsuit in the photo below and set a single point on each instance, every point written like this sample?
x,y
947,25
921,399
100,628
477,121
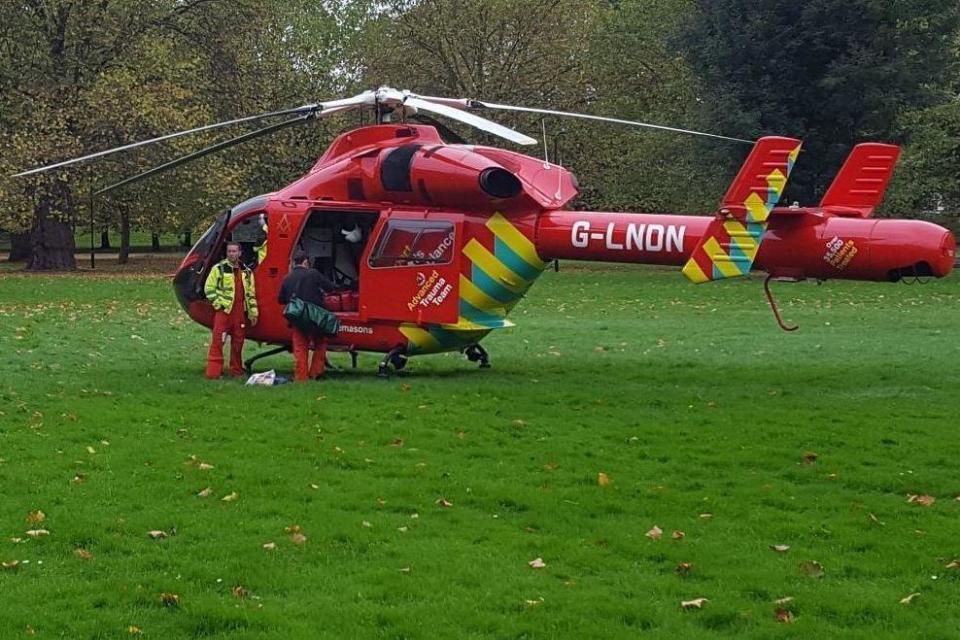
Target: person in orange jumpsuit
x,y
308,285
230,289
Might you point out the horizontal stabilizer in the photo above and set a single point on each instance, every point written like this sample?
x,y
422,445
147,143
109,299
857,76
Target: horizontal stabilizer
x,y
731,241
862,181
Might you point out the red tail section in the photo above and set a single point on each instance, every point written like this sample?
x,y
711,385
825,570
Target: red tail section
x,y
862,181
730,244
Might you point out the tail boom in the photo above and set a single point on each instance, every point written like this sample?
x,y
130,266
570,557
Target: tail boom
x,y
804,244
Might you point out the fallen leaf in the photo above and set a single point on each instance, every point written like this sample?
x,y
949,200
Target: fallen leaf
x,y
811,568
784,600
134,630
78,478
908,599
404,569
298,538
696,603
655,534
809,457
684,568
83,554
876,520
35,517
533,603
603,479
443,502
404,387
396,442
314,486
537,563
91,450
10,564
156,534
365,524
205,493
783,615
402,529
955,564
239,592
170,599
678,535
36,533
706,516
780,548
231,497
269,546
294,528
551,466
204,466
519,423
923,500
414,515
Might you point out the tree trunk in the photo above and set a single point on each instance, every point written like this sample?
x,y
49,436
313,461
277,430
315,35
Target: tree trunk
x,y
124,256
51,243
154,242
104,239
187,240
19,247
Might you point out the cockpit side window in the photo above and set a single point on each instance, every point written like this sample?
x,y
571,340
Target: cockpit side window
x,y
251,234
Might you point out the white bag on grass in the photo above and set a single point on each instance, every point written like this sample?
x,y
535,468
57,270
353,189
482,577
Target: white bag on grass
x,y
266,378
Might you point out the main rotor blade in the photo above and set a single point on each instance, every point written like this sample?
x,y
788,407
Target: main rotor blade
x,y
468,118
211,149
307,108
478,104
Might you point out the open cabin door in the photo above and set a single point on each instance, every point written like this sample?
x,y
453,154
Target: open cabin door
x,y
412,271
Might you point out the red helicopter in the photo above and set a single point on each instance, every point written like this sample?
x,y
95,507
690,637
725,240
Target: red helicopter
x,y
433,244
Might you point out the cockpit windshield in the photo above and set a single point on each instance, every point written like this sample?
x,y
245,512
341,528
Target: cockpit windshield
x,y
209,237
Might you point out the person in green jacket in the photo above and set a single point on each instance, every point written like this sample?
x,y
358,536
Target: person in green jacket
x,y
230,289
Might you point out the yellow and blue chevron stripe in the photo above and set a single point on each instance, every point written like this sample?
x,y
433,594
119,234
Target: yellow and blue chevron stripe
x,y
489,288
729,245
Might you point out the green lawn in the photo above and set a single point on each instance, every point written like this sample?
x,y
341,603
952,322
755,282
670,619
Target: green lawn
x,y
689,399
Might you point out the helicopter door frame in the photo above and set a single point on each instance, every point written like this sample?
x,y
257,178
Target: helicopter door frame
x,y
410,270
212,256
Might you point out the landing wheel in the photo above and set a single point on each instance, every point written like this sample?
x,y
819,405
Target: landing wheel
x,y
394,358
476,353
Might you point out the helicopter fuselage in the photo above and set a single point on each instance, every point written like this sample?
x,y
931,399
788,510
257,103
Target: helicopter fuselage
x,y
447,239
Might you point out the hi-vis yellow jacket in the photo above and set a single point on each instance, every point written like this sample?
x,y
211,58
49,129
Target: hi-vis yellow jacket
x,y
219,288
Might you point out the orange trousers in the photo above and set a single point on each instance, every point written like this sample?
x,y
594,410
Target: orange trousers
x,y
234,325
302,344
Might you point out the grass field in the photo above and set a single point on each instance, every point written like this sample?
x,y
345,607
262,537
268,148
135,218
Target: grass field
x,y
703,415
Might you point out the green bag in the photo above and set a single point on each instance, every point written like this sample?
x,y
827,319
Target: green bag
x,y
311,318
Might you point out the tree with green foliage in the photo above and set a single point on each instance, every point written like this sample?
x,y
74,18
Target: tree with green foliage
x,y
832,73
81,77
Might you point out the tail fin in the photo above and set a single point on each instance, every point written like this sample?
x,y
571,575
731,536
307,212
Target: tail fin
x,y
859,186
730,243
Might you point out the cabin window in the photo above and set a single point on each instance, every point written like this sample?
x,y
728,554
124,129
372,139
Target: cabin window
x,y
250,233
414,242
